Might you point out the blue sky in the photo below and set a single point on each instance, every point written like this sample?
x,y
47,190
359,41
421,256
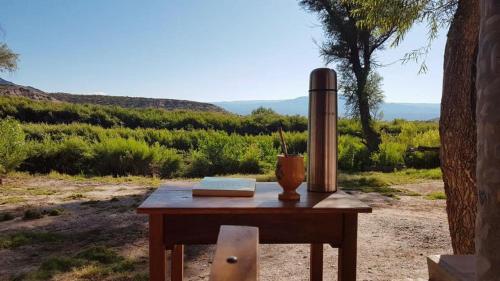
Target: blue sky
x,y
188,49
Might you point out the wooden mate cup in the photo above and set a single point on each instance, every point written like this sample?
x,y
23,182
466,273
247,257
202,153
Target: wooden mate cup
x,y
290,174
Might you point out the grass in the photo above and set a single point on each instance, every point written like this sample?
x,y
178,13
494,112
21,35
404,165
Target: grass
x,y
375,179
437,195
11,200
14,240
381,182
39,191
387,179
20,190
95,263
148,181
75,196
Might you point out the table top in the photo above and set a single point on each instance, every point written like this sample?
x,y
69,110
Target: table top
x,y
173,199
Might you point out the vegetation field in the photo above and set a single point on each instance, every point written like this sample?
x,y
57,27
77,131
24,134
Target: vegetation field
x,y
96,140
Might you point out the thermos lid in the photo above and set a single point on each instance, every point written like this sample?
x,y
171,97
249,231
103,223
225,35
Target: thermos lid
x,y
323,79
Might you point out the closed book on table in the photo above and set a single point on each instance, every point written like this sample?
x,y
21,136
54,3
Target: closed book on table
x,y
225,187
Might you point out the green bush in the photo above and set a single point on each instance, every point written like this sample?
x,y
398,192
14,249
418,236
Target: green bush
x,y
32,214
12,145
199,165
166,163
352,154
422,159
27,110
390,156
111,140
121,157
71,155
250,161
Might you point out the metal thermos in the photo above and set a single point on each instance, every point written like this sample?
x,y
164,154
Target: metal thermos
x,y
322,127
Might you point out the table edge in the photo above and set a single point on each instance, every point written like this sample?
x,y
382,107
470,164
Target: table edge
x,y
249,211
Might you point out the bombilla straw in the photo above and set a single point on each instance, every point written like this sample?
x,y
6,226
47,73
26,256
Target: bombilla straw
x,y
283,143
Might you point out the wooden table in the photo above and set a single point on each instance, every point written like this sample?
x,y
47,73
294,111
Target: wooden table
x,y
176,218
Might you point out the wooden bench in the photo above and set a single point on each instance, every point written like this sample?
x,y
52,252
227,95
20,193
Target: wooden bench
x,y
452,268
236,255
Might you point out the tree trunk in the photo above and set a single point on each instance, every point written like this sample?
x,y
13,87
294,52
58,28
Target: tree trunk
x,y
457,125
371,137
488,147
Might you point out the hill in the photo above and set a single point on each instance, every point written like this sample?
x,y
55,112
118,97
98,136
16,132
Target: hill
x,y
391,111
10,89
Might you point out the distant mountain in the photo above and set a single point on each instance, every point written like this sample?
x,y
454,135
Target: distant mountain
x,y
408,111
5,82
10,89
137,102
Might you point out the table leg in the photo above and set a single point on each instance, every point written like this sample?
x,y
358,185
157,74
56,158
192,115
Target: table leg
x,y
348,249
177,263
316,263
157,259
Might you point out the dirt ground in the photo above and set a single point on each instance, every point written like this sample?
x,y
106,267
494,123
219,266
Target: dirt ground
x,y
393,241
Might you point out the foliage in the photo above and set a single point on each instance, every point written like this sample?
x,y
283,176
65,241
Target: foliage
x,y
348,87
8,59
167,163
91,150
12,145
401,16
352,154
351,47
26,110
390,156
251,147
121,157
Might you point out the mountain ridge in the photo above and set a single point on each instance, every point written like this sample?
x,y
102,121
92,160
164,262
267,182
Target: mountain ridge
x,y
299,106
11,89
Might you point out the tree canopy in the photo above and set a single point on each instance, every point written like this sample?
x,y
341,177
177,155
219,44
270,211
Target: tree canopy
x,y
8,59
351,45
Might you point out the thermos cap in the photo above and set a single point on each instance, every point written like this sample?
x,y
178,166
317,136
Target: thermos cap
x,y
323,79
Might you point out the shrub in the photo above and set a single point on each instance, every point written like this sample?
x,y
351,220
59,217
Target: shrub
x,y
6,217
32,214
27,110
12,145
352,153
70,155
250,161
166,162
73,156
422,159
390,156
121,157
223,152
199,165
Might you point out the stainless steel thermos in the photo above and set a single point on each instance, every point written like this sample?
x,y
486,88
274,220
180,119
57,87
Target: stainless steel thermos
x,y
322,127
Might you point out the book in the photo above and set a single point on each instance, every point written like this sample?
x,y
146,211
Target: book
x,y
225,187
